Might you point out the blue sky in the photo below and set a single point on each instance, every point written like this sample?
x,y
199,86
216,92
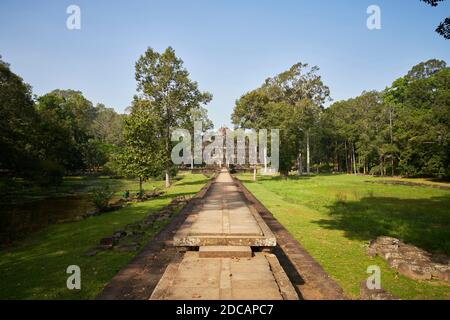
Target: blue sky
x,y
228,46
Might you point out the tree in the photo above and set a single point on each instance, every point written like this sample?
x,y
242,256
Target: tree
x,y
95,154
18,120
423,118
107,126
301,92
144,153
444,27
66,117
425,69
174,99
401,130
302,87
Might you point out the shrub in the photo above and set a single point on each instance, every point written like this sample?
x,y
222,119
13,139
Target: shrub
x,y
101,196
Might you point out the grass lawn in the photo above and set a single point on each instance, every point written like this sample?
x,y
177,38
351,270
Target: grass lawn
x,y
335,216
35,268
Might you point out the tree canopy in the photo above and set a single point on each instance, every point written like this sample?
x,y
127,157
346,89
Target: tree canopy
x,y
58,133
402,130
290,101
167,99
444,27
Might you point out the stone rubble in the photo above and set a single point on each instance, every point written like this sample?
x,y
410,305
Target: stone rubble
x,y
410,261
374,294
129,239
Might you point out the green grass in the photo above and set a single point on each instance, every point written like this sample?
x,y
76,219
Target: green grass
x,y
36,267
335,216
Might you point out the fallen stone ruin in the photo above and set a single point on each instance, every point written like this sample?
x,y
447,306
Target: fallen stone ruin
x,y
374,294
410,261
130,238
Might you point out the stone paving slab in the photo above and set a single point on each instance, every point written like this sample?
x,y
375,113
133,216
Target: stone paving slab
x,y
224,217
225,252
196,278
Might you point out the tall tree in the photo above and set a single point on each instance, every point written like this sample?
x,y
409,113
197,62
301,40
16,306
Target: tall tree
x,y
18,121
143,155
301,91
300,86
107,125
171,94
66,118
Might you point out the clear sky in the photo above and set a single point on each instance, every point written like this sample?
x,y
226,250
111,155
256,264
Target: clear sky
x,y
228,46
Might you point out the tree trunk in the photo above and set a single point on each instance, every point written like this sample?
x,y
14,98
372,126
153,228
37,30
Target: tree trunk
x,y
299,159
354,158
392,137
307,153
254,173
392,164
346,157
140,188
336,156
168,154
381,167
300,168
167,178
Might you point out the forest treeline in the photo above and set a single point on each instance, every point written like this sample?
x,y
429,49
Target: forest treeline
x,y
44,138
402,130
61,133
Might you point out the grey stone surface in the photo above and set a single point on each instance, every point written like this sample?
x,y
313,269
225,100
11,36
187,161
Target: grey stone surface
x,y
224,217
374,294
196,278
225,252
410,261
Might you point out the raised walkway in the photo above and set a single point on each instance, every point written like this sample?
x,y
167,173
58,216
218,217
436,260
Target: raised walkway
x,y
223,245
226,230
224,218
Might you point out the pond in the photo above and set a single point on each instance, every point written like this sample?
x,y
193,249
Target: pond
x,y
19,220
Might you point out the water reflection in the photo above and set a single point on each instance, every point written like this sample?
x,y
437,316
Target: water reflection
x,y
19,220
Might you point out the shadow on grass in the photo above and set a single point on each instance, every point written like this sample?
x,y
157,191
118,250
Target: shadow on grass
x,y
421,222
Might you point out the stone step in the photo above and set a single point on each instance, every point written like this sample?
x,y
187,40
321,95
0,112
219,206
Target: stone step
x,y
225,252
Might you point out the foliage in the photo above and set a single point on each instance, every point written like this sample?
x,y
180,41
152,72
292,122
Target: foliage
x,y
144,150
17,119
167,99
403,130
101,196
291,102
444,27
60,133
107,126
